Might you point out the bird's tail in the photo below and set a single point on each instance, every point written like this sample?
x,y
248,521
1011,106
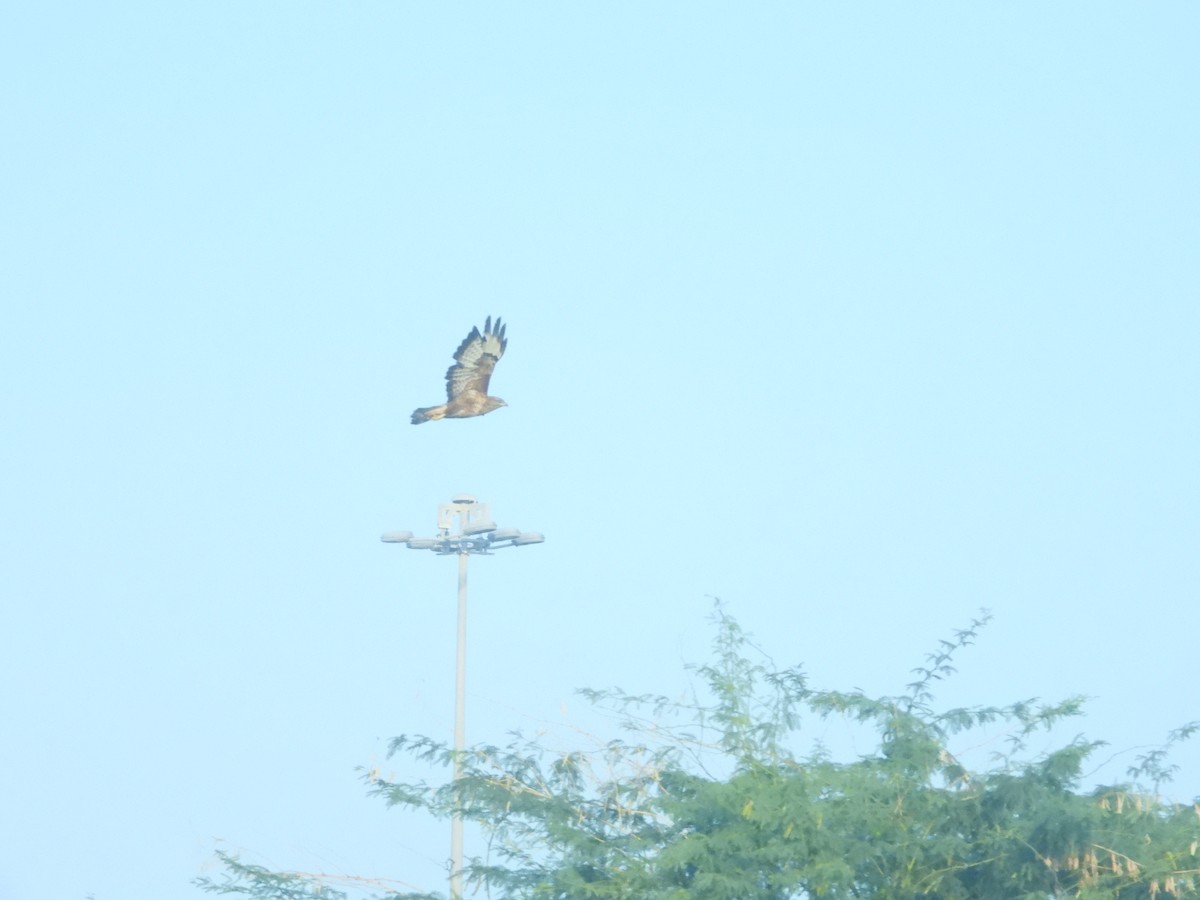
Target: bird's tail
x,y
428,414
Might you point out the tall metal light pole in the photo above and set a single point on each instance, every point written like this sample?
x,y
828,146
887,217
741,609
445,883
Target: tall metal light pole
x,y
478,534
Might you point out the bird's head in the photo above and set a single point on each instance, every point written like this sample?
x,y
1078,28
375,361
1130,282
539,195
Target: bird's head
x,y
494,403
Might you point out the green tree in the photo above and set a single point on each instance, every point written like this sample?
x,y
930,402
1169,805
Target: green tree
x,y
711,799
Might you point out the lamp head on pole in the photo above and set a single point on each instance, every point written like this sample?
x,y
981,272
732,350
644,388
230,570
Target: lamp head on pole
x,y
464,526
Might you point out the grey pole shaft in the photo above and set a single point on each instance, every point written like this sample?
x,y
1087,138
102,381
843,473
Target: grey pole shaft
x,y
460,729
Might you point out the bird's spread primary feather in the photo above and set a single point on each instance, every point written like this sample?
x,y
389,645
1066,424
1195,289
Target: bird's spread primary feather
x,y
467,380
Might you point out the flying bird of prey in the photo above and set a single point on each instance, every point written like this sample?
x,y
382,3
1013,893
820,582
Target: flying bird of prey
x,y
467,380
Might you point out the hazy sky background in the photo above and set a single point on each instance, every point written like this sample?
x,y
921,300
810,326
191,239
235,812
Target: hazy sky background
x,y
860,317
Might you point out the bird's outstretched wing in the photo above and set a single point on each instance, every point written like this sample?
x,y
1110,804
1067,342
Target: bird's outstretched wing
x,y
475,359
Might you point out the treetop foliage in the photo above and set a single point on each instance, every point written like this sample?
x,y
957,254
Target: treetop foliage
x,y
711,798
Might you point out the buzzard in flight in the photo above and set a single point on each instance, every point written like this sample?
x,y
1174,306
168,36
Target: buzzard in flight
x,y
467,380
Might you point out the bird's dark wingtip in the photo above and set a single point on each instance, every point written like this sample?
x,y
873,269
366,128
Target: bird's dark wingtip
x,y
496,329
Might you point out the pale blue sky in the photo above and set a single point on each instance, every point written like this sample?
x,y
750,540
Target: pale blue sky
x,y
860,317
